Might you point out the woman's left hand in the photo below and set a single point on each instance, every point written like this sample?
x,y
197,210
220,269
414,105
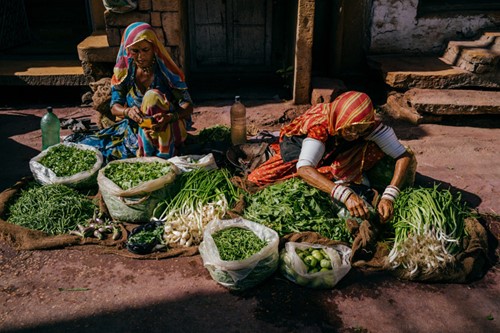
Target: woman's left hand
x,y
385,210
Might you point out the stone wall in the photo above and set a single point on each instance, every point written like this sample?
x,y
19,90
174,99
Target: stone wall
x,y
163,15
396,28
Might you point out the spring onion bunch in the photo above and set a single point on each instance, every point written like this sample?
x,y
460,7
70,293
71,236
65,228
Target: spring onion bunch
x,y
203,195
428,228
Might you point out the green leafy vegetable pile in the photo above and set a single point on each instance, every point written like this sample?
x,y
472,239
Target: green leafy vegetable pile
x,y
128,175
66,161
237,243
54,209
219,133
294,206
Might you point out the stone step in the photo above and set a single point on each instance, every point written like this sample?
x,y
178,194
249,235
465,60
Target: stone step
x,y
478,56
41,72
453,102
95,48
429,105
428,72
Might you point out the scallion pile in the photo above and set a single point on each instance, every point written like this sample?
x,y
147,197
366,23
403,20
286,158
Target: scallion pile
x,y
203,195
428,228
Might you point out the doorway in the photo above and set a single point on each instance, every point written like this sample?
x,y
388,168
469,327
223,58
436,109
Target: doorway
x,y
230,35
52,29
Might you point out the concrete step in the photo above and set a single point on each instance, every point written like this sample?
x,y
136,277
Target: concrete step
x,y
95,48
41,72
429,105
428,72
478,56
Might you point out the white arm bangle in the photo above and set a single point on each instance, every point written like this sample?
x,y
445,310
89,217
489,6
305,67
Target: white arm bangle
x,y
341,193
390,193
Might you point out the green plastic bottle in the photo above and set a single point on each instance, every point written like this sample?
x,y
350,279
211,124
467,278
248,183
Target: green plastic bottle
x,y
51,129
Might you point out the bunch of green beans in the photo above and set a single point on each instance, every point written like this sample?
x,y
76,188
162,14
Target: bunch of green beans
x,y
54,209
236,243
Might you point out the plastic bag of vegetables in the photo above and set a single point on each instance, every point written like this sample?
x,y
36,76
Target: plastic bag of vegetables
x,y
187,163
239,254
71,164
313,265
131,188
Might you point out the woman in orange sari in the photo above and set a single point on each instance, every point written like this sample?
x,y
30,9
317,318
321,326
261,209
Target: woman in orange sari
x,y
330,147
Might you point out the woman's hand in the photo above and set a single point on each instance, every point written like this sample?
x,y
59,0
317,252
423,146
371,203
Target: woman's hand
x,y
385,210
133,113
162,119
357,206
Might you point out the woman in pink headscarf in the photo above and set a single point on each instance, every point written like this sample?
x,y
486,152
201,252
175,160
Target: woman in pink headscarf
x,y
331,145
148,88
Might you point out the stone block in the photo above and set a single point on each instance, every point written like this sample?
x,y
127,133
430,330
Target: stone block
x,y
113,36
144,5
166,5
156,19
123,20
453,101
325,90
172,27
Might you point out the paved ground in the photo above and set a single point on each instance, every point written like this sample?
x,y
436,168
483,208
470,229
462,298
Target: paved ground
x,y
82,290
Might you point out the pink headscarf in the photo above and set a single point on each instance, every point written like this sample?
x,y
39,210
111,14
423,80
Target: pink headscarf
x,y
137,32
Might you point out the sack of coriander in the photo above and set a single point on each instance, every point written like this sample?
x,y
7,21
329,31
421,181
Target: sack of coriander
x,y
131,188
71,164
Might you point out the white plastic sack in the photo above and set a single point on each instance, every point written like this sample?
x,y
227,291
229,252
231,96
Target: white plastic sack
x,y
188,163
120,6
294,269
136,204
46,176
242,274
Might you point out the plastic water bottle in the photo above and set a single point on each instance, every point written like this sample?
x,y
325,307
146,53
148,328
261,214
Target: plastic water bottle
x,y
51,129
238,122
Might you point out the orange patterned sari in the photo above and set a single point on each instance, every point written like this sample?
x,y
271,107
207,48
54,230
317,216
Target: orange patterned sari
x,y
343,160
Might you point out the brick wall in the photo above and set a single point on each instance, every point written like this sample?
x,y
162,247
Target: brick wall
x,y
163,15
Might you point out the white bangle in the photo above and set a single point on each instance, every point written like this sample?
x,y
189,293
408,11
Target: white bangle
x,y
391,192
341,193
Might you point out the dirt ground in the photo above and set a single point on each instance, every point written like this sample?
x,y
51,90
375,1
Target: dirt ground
x,y
80,289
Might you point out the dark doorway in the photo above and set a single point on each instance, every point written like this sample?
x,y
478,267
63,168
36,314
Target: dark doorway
x,y
52,28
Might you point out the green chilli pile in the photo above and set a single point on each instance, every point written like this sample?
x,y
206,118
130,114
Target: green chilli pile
x,y
67,161
54,209
428,230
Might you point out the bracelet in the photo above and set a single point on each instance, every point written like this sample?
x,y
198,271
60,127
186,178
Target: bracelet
x,y
391,192
341,193
125,113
